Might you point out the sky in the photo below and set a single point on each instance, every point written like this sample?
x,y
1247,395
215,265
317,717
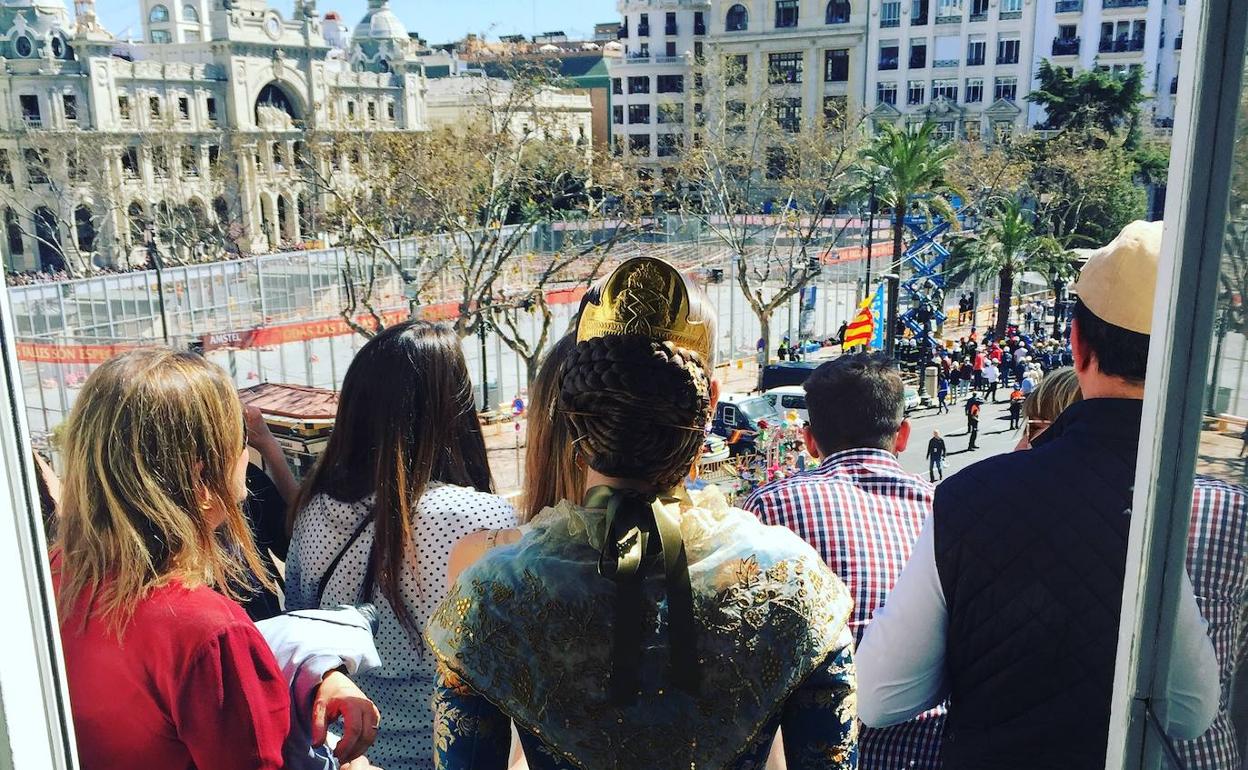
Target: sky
x,y
437,21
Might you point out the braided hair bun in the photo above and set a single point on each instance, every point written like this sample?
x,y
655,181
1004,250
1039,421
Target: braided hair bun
x,y
638,407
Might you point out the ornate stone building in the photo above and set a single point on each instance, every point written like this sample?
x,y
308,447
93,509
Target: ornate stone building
x,y
112,153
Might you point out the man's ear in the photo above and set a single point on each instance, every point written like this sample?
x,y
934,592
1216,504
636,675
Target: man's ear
x,y
903,438
812,446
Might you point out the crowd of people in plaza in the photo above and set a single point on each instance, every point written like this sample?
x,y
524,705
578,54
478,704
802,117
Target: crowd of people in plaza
x,y
848,614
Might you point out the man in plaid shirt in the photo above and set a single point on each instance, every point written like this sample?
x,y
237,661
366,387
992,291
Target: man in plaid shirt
x,y
862,512
1217,562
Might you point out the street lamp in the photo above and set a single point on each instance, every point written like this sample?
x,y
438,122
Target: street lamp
x,y
153,256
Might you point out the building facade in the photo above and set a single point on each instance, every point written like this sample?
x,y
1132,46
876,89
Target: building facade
x,y
563,114
966,65
112,154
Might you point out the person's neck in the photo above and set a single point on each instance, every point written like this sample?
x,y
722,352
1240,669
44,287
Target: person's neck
x,y
1093,384
595,479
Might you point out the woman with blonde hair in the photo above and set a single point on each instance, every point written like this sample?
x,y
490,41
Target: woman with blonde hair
x,y
165,670
1057,391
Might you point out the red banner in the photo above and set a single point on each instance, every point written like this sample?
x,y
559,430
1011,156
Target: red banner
x,y
301,331
47,353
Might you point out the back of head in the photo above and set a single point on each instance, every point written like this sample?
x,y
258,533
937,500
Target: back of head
x,y
406,417
150,451
1057,391
856,401
637,386
551,472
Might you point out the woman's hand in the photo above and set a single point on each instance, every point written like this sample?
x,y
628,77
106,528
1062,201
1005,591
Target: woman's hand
x,y
338,697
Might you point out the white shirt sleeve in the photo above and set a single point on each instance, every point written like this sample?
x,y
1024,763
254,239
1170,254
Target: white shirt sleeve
x,y
1190,701
901,661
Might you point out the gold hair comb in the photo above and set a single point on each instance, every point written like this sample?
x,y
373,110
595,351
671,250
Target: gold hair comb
x,y
646,297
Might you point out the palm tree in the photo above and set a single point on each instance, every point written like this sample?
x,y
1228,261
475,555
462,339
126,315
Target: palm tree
x,y
1006,245
905,170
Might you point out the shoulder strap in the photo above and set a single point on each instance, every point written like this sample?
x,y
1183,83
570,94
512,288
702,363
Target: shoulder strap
x,y
333,565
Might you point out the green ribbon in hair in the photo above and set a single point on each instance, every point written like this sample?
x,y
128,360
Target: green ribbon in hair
x,y
637,523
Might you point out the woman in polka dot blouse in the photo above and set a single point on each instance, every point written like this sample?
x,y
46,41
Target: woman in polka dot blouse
x,y
405,476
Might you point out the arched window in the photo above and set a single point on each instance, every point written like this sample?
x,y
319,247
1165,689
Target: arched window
x,y
158,15
84,225
13,230
838,12
138,223
24,46
48,239
189,13
738,19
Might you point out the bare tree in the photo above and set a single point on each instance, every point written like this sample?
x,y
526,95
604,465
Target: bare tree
x,y
756,151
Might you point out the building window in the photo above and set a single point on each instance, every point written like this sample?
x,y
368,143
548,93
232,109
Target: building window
x,y
184,107
190,160
1005,88
837,12
918,12
638,113
886,93
372,111
972,130
974,90
31,114
153,106
161,37
835,109
669,49
979,10
736,69
946,89
160,162
639,144
890,13
836,65
159,15
617,86
949,12
24,46
1011,9
390,111
643,51
779,161
697,50
639,85
916,92
13,229
214,157
976,52
670,84
36,166
6,169
350,109
786,13
738,19
130,162
669,145
123,107
699,23
1002,130
643,26
918,54
669,23
189,13
888,56
70,103
785,67
788,114
671,113
1008,50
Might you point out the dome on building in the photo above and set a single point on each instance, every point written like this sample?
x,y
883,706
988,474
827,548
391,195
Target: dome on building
x,y
380,23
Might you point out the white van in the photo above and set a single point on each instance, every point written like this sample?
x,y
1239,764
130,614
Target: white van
x,y
789,399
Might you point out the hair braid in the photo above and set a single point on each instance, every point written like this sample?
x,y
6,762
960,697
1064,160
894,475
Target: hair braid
x,y
637,407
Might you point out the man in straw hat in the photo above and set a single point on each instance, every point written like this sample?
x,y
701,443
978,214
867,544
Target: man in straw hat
x,y
1013,614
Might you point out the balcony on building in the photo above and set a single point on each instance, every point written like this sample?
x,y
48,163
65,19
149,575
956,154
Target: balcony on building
x,y
944,63
1068,6
1121,44
1124,3
622,32
953,18
979,16
643,30
1065,46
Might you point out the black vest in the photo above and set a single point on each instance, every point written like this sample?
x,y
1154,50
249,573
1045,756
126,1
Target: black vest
x,y
1031,550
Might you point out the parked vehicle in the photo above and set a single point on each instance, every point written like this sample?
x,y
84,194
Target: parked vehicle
x,y
737,419
789,399
787,373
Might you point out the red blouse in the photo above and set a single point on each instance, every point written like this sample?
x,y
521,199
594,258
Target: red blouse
x,y
192,684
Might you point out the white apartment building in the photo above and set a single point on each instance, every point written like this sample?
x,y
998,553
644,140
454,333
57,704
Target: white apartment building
x,y
1117,35
807,53
554,113
963,64
651,82
101,140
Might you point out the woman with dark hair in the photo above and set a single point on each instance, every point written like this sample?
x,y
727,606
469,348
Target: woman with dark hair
x,y
639,625
404,477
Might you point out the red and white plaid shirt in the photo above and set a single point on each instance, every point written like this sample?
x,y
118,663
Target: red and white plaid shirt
x,y
1217,561
862,512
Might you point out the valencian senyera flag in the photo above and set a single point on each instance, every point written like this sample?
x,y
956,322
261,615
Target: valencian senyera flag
x,y
867,328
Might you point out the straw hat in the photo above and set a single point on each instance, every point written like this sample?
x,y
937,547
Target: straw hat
x,y
1119,280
